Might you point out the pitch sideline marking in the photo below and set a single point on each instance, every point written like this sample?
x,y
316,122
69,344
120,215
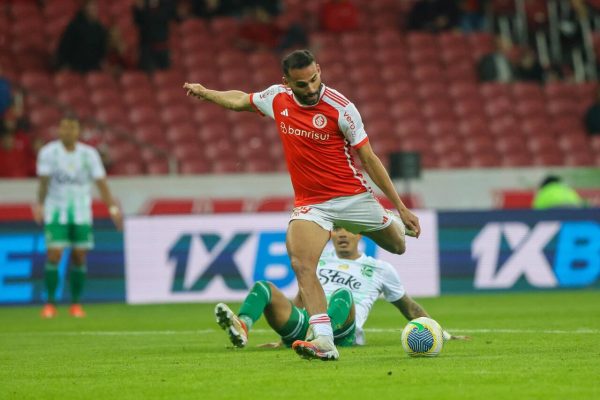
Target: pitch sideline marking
x,y
368,330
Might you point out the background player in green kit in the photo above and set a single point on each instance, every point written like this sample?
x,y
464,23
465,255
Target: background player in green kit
x,y
352,282
66,169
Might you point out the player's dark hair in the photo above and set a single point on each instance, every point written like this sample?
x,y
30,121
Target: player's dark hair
x,y
550,179
70,116
297,59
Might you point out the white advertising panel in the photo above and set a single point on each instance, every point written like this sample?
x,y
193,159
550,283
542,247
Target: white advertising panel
x,y
219,257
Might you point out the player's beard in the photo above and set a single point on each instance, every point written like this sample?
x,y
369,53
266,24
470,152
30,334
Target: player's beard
x,y
310,99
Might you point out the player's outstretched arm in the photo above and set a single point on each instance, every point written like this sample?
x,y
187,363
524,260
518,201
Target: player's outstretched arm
x,y
235,100
411,310
380,177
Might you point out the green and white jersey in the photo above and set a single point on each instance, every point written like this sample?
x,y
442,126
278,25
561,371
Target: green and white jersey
x,y
69,198
366,277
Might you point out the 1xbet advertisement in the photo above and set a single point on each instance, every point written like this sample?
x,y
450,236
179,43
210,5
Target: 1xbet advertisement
x,y
211,258
519,250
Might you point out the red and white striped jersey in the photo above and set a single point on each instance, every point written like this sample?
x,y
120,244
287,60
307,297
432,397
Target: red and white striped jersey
x,y
317,142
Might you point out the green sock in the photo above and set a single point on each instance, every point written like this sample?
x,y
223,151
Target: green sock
x,y
77,280
255,303
340,304
51,280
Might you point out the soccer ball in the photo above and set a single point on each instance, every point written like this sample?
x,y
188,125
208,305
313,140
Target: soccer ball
x,y
422,337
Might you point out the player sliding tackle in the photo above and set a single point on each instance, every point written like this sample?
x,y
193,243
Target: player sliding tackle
x,y
352,282
318,127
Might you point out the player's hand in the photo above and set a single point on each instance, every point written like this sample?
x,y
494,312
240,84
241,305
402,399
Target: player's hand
x,y
38,214
273,345
194,89
411,221
116,216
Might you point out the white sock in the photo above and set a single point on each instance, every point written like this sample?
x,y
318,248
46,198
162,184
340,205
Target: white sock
x,y
321,325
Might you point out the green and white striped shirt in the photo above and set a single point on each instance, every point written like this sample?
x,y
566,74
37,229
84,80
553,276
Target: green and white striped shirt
x,y
69,198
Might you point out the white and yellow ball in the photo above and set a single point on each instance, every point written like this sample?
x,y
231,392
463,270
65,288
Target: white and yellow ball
x,y
422,337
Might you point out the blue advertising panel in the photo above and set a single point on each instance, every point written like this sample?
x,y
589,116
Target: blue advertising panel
x,y
22,258
519,250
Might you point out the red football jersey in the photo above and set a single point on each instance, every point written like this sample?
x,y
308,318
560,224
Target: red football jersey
x,y
317,141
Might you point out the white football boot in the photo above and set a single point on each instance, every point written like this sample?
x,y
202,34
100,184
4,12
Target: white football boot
x,y
321,348
235,328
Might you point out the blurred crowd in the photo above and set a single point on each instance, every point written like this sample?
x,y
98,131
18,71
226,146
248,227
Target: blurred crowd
x,y
87,44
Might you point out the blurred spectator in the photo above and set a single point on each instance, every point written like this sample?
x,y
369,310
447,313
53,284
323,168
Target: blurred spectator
x,y
118,57
554,193
471,15
339,16
17,157
529,68
184,10
592,117
82,46
217,8
433,15
152,18
273,7
497,66
571,36
259,30
5,94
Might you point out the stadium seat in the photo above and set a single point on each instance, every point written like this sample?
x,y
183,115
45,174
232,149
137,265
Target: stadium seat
x,y
134,79
516,159
38,81
275,204
580,158
442,128
465,108
143,114
480,144
128,168
484,160
102,96
464,90
100,80
170,206
158,167
530,108
192,167
258,166
494,90
227,166
175,114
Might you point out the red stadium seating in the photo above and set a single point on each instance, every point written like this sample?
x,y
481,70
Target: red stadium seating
x,y
411,88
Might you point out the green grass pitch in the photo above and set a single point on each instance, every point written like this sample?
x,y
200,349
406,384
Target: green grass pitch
x,y
542,345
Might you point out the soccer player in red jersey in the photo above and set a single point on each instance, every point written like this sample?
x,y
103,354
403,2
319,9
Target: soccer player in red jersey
x,y
318,127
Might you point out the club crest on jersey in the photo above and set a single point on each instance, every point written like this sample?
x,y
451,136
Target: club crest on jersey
x,y
319,121
366,271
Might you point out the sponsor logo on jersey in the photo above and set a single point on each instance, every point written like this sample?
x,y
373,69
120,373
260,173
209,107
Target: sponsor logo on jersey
x,y
267,93
341,278
67,179
350,121
319,121
285,113
290,130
